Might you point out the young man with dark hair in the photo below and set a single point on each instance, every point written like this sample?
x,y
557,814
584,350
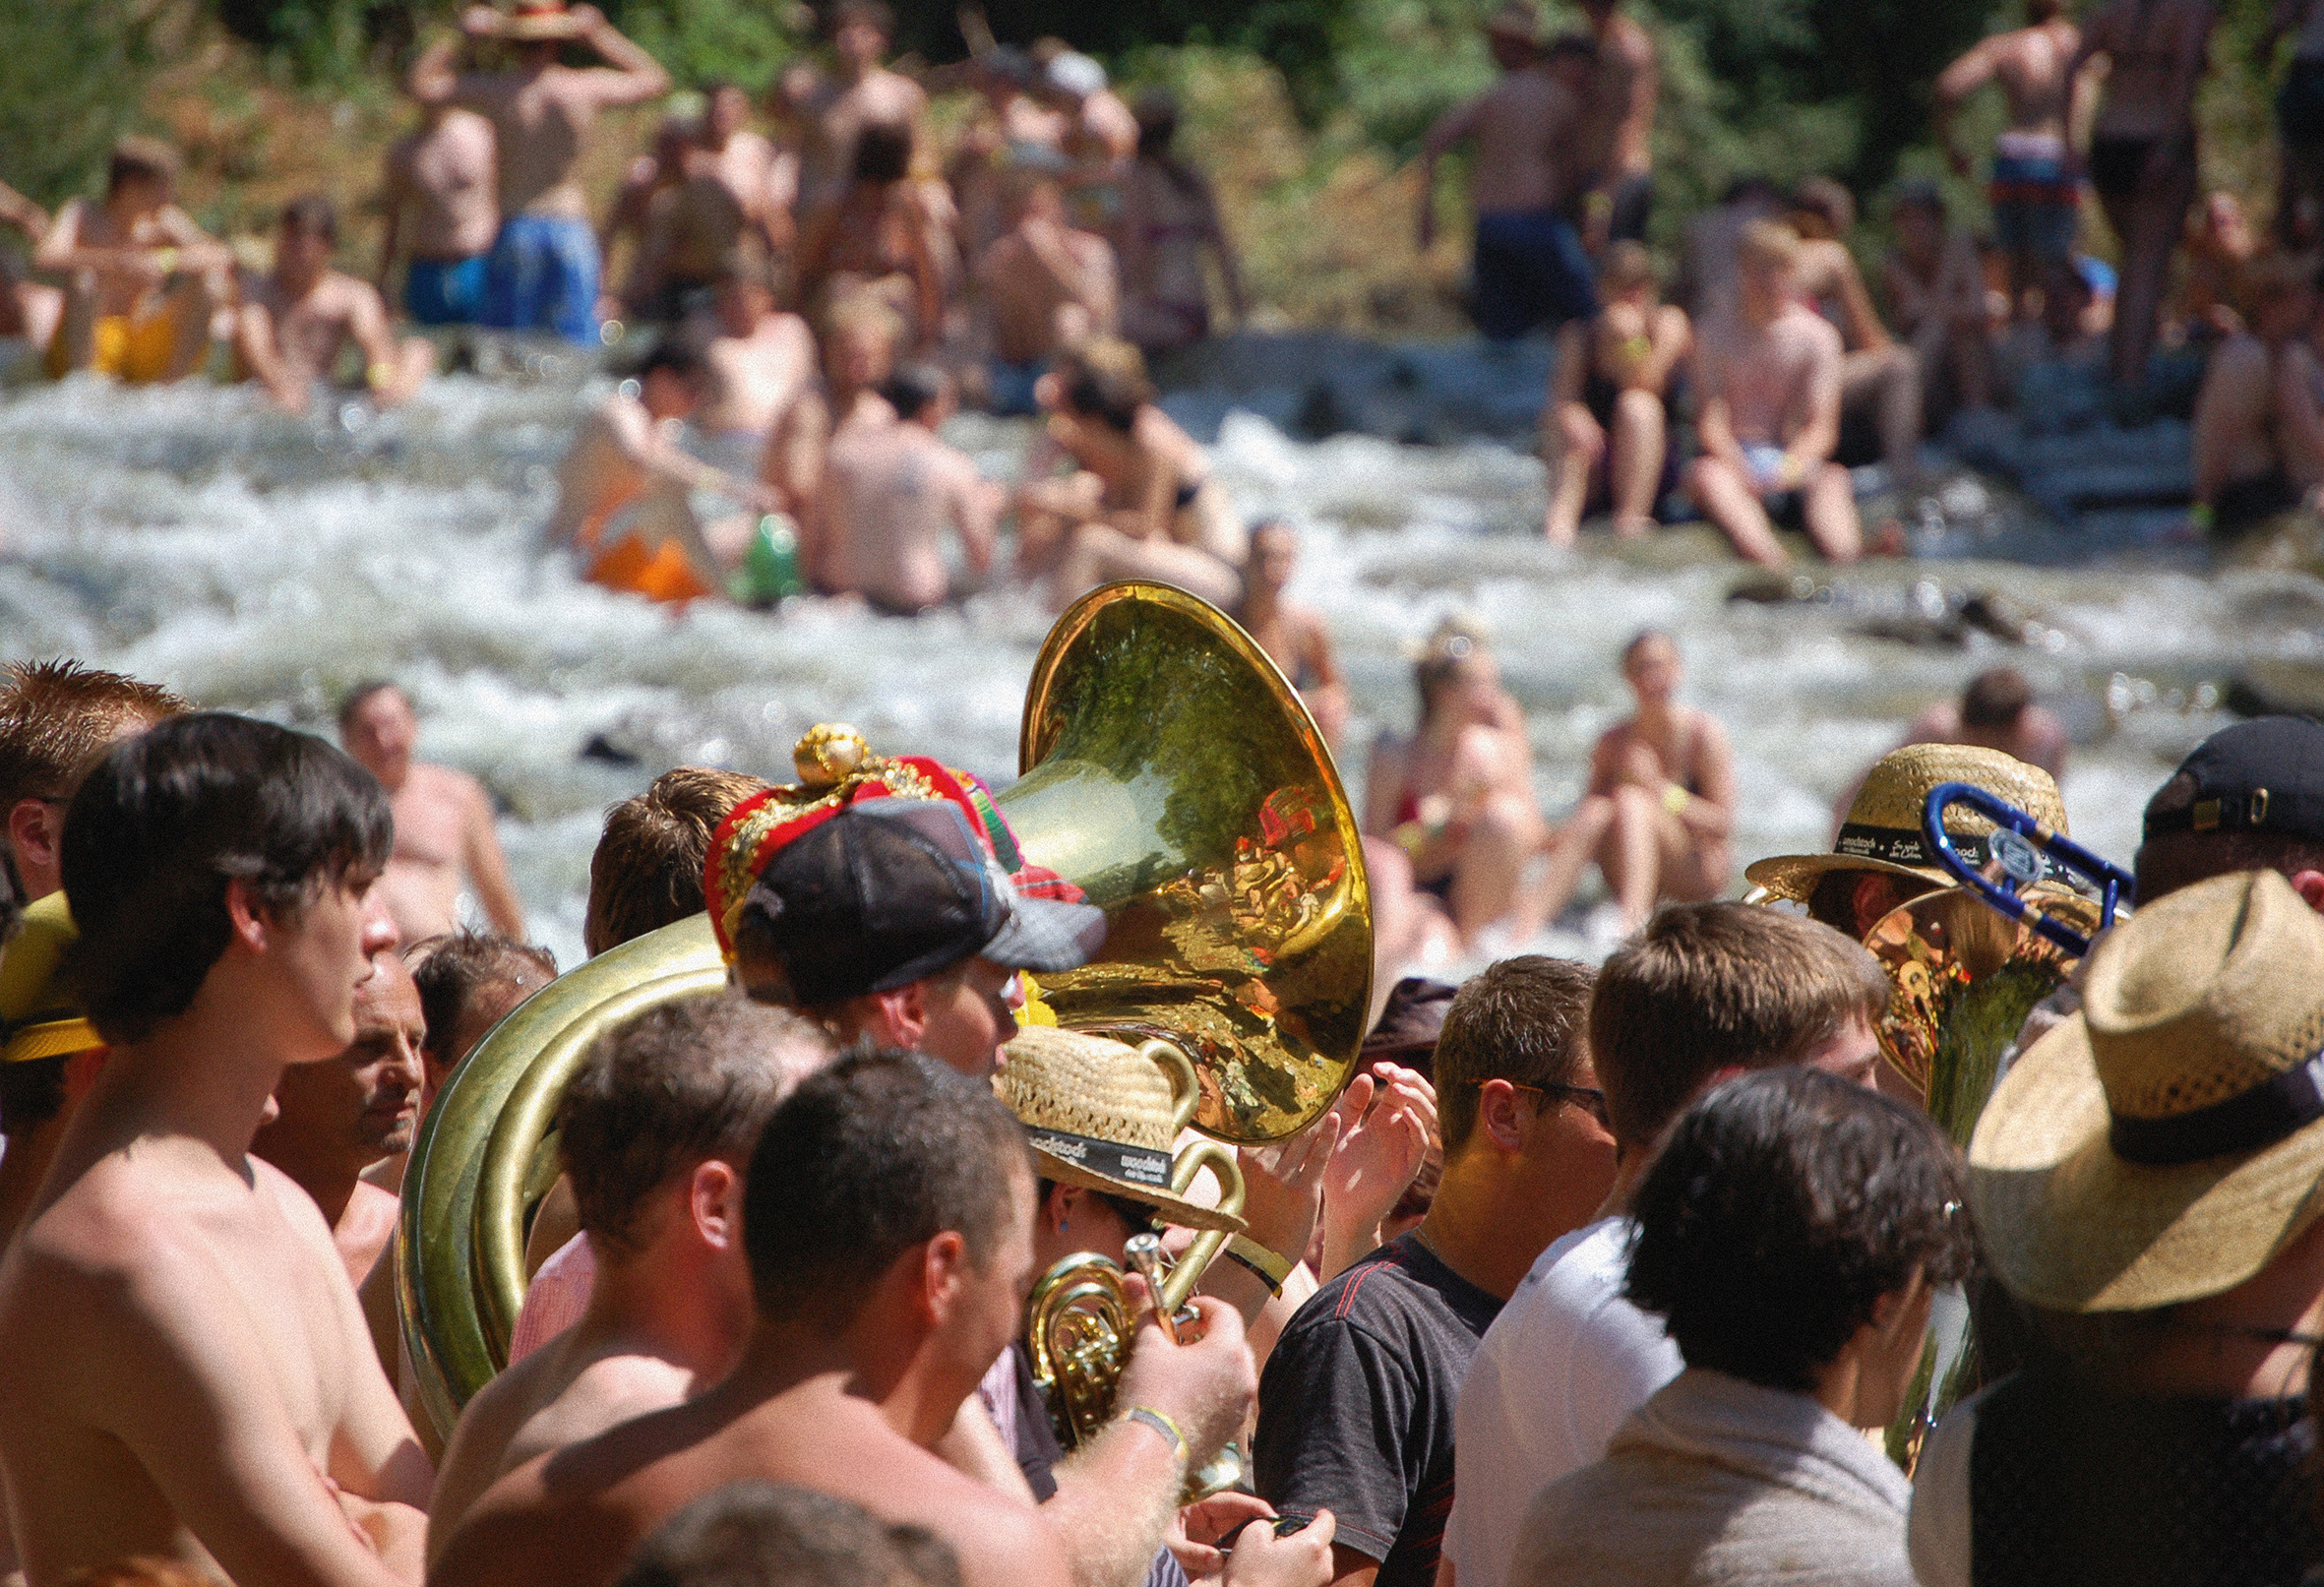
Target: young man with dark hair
x,y
468,983
444,820
655,1133
346,1115
648,869
297,319
141,279
1356,1406
888,1217
757,1535
184,1370
1704,992
892,494
1793,1231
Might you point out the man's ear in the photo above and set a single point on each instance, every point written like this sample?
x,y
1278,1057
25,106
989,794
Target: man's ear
x,y
943,1270
247,920
33,835
1500,1119
714,1198
904,1013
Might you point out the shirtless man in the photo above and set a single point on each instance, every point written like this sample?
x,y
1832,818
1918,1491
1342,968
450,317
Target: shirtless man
x,y
884,1289
1530,267
891,492
756,371
543,271
442,205
296,321
184,1370
1877,375
2035,193
2142,154
342,1116
1622,97
2258,432
655,1133
1768,378
444,832
1047,284
141,279
862,93
1296,638
1935,287
763,179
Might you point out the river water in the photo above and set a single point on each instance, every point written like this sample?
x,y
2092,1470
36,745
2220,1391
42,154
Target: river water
x,y
266,564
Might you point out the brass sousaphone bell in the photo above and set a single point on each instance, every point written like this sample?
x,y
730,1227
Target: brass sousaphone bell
x,y
1169,773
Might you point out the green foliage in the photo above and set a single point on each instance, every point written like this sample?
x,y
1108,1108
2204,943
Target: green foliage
x,y
69,71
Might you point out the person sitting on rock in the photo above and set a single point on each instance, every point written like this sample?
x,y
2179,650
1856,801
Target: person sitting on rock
x,y
1606,431
2259,416
297,319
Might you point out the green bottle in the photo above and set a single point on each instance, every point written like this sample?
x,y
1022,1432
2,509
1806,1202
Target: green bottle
x,y
770,568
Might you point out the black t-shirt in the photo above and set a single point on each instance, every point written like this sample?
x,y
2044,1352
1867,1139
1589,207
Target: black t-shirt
x,y
1355,1409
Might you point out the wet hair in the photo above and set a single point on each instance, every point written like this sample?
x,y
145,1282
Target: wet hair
x,y
1709,987
883,151
1157,130
312,214
168,819
672,355
1769,243
1827,201
1996,698
872,13
1781,1210
883,1151
56,715
648,869
685,1083
761,1535
1751,189
1105,379
356,696
2170,861
914,389
1919,194
1570,46
1644,638
457,971
1524,1020
136,159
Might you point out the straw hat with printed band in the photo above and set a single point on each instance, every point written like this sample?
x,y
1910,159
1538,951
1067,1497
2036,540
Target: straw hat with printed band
x,y
1105,1115
1882,832
2166,1142
39,1018
532,22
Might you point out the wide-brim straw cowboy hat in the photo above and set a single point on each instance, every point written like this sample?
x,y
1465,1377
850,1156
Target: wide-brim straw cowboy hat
x,y
535,22
1105,1115
1882,832
2166,1142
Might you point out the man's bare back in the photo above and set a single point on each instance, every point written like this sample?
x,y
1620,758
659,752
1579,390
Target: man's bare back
x,y
569,1519
1047,284
891,492
1526,162
1773,379
437,814
442,183
841,110
1627,85
750,382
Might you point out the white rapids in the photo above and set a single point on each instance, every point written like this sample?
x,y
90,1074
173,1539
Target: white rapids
x,y
266,564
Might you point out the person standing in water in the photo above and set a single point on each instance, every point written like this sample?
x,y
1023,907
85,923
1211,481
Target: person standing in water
x,y
1169,220
2037,197
543,271
891,493
1295,638
2142,152
1659,812
443,833
1623,97
443,204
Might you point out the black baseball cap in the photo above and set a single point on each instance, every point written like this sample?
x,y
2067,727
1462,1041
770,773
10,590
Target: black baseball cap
x,y
892,890
2264,775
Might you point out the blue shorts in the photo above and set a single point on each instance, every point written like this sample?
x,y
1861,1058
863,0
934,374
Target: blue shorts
x,y
2036,208
542,275
1013,388
445,292
1530,270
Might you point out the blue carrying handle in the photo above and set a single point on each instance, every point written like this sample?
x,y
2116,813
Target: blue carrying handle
x,y
2116,885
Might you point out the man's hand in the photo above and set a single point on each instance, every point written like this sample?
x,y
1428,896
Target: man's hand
x,y
1205,1384
588,21
1260,1558
1195,1530
1283,1183
1377,1159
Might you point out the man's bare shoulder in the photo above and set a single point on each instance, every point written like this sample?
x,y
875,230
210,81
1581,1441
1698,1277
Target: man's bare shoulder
x,y
606,1391
1809,332
347,297
435,781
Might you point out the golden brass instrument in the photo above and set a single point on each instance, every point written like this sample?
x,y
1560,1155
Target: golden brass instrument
x,y
1169,773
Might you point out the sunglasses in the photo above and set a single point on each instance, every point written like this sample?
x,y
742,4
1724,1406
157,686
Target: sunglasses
x,y
1588,1098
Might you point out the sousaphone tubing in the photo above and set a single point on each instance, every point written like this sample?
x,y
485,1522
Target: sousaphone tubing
x,y
1169,772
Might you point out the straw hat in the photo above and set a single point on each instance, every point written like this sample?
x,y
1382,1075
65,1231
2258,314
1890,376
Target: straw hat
x,y
39,1016
1104,1115
531,21
2165,1144
1882,832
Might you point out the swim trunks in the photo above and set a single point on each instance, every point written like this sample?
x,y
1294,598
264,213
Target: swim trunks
x,y
542,275
2244,503
1764,459
134,350
2299,104
1633,198
2118,165
2035,205
1530,270
445,292
1011,392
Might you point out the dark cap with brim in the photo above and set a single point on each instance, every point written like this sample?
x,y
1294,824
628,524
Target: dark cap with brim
x,y
2265,776
893,890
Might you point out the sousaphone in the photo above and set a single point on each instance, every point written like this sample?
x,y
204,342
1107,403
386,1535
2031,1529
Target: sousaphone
x,y
1169,772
